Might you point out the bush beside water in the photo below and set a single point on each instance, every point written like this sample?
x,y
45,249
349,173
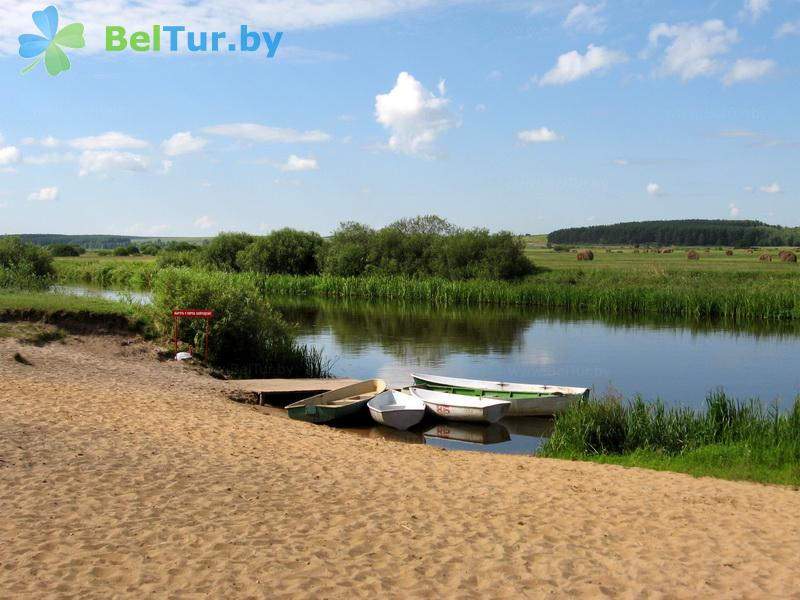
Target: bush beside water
x,y
248,338
23,265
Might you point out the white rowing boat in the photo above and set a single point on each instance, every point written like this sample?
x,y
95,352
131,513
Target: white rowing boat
x,y
527,399
455,407
396,409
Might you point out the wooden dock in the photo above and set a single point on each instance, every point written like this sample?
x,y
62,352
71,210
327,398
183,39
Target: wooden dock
x,y
285,391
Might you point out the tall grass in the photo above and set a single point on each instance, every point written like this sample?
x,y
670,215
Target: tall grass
x,y
128,274
732,296
741,431
684,294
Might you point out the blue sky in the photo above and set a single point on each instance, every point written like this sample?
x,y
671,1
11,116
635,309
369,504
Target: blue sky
x,y
528,116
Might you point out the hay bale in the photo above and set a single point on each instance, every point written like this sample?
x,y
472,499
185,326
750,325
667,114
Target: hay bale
x,y
765,258
728,252
665,251
788,256
692,255
585,255
749,250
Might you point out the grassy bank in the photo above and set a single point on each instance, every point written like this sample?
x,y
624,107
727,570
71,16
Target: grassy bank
x,y
731,439
684,294
772,293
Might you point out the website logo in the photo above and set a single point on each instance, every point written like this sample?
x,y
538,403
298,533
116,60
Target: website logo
x,y
48,45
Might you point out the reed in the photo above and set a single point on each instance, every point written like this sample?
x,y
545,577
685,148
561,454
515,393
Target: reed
x,y
729,295
734,436
128,274
695,295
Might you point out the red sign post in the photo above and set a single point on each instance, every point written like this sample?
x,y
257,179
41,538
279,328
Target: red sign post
x,y
193,314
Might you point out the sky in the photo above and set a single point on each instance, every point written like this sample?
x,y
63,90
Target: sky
x,y
526,116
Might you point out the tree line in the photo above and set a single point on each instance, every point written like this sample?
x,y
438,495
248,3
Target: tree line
x,y
427,246
693,232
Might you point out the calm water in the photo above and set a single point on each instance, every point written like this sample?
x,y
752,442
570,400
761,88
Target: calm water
x,y
679,362
676,361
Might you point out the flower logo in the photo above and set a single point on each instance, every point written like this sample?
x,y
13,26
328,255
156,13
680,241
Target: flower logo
x,y
33,46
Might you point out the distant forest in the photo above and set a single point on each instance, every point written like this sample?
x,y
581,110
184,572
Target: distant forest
x,y
695,232
96,242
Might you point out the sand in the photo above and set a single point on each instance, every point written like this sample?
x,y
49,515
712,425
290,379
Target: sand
x,y
122,476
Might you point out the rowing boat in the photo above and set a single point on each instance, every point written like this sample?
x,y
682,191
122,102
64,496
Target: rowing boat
x,y
456,407
396,409
527,400
336,404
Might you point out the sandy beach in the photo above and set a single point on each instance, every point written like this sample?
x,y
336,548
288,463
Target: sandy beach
x,y
122,476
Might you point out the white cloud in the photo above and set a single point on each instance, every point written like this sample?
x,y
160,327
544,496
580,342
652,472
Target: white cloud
x,y
48,159
295,163
413,115
748,69
654,189
48,141
46,194
183,143
166,167
772,188
586,18
622,162
789,28
204,222
262,133
442,87
112,140
748,188
537,136
694,48
10,155
755,8
99,161
480,107
733,210
574,65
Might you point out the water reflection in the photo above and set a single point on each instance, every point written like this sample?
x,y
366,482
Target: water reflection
x,y
509,436
677,360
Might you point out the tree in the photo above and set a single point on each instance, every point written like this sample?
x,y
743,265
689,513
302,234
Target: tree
x,y
221,253
283,251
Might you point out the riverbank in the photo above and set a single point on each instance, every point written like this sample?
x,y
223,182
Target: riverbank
x,y
735,293
125,475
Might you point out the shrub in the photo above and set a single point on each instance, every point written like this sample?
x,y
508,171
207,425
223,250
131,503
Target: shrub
x,y
222,252
346,253
424,247
149,249
65,250
247,336
24,265
121,251
284,251
183,258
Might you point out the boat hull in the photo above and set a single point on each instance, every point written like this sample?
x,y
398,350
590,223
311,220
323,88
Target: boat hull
x,y
396,409
336,404
398,419
453,407
525,402
325,414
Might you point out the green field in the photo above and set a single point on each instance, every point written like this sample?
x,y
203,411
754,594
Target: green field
x,y
627,259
